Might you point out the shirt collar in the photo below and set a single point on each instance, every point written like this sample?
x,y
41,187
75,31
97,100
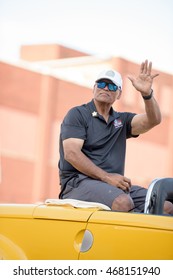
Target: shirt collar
x,y
113,114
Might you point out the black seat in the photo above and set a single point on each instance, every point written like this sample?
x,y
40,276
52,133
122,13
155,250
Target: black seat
x,y
158,191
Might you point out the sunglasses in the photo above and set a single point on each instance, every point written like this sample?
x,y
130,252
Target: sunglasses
x,y
111,87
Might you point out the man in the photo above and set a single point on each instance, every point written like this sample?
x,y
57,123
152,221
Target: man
x,y
93,143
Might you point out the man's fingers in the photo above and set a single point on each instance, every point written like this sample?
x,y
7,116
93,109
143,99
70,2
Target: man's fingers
x,y
127,180
130,77
155,75
122,187
125,184
142,67
145,67
149,69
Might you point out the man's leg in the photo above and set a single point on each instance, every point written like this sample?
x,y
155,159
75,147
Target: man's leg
x,y
138,195
168,208
123,203
87,189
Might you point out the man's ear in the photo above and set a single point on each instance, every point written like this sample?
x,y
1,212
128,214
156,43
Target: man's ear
x,y
94,87
119,94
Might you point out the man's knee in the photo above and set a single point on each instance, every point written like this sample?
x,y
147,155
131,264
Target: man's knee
x,y
123,203
168,208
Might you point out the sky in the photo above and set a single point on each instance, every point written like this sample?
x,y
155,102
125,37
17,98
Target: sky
x,y
133,29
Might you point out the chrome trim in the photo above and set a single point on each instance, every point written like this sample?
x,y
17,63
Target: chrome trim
x,y
148,196
87,241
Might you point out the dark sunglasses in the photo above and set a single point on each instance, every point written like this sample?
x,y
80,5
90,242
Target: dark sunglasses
x,y
111,87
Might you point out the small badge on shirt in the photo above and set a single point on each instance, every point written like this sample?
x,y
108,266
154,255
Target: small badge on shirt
x,y
117,123
94,114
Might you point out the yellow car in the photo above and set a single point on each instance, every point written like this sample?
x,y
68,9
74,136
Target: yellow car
x,y
77,230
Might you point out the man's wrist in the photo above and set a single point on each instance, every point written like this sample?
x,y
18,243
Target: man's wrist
x,y
105,177
147,97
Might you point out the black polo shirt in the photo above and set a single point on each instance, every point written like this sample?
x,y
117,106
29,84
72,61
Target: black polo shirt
x,y
104,142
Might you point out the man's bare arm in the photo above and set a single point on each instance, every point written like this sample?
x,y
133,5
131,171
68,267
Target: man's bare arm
x,y
143,82
74,155
141,123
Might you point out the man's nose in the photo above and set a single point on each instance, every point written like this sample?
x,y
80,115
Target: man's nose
x,y
106,87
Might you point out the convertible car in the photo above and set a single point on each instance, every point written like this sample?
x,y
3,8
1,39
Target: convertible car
x,y
77,230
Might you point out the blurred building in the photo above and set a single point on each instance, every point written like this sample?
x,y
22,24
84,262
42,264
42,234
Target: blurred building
x,y
35,94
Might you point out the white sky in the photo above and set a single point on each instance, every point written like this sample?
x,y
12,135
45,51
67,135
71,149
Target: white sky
x,y
133,29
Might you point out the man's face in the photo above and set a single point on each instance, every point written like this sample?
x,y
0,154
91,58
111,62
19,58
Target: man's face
x,y
104,94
